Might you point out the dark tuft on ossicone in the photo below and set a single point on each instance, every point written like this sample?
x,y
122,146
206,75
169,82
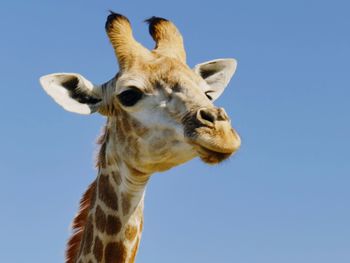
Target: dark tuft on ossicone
x,y
114,16
153,21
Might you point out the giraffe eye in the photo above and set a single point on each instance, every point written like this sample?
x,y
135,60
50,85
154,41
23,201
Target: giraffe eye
x,y
130,97
208,96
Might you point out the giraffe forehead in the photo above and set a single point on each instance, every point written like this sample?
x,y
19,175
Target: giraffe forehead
x,y
161,73
174,75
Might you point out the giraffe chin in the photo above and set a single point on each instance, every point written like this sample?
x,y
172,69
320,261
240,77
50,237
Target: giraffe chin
x,y
211,157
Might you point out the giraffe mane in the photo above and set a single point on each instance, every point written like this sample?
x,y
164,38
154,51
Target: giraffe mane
x,y
78,224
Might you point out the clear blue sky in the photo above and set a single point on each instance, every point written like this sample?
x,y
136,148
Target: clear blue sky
x,y
284,198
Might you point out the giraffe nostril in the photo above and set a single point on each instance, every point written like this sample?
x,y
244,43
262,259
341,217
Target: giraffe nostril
x,y
205,116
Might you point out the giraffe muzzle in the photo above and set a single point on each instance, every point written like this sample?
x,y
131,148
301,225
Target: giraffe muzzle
x,y
209,131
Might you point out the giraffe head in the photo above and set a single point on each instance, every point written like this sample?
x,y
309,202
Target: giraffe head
x,y
160,111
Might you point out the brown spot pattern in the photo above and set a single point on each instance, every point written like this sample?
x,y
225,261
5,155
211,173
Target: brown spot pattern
x,y
113,225
111,160
115,252
106,192
93,198
81,246
102,156
88,237
98,249
130,232
126,203
116,177
100,218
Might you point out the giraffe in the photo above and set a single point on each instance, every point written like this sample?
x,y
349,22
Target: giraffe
x,y
160,114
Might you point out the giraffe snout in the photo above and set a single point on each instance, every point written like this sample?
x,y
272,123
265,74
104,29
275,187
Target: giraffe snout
x,y
208,116
209,130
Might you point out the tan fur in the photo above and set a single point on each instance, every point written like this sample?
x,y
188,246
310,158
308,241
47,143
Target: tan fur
x,y
168,39
127,49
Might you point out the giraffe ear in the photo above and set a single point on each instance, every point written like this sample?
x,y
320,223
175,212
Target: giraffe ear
x,y
217,73
73,92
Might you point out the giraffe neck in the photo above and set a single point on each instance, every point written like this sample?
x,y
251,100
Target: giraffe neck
x,y
114,223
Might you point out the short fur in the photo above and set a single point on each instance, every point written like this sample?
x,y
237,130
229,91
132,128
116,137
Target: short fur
x,y
168,39
127,49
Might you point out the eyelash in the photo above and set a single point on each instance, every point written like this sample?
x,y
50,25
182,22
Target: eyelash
x,y
130,96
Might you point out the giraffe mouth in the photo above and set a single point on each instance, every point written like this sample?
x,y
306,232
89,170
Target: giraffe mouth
x,y
215,145
210,156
